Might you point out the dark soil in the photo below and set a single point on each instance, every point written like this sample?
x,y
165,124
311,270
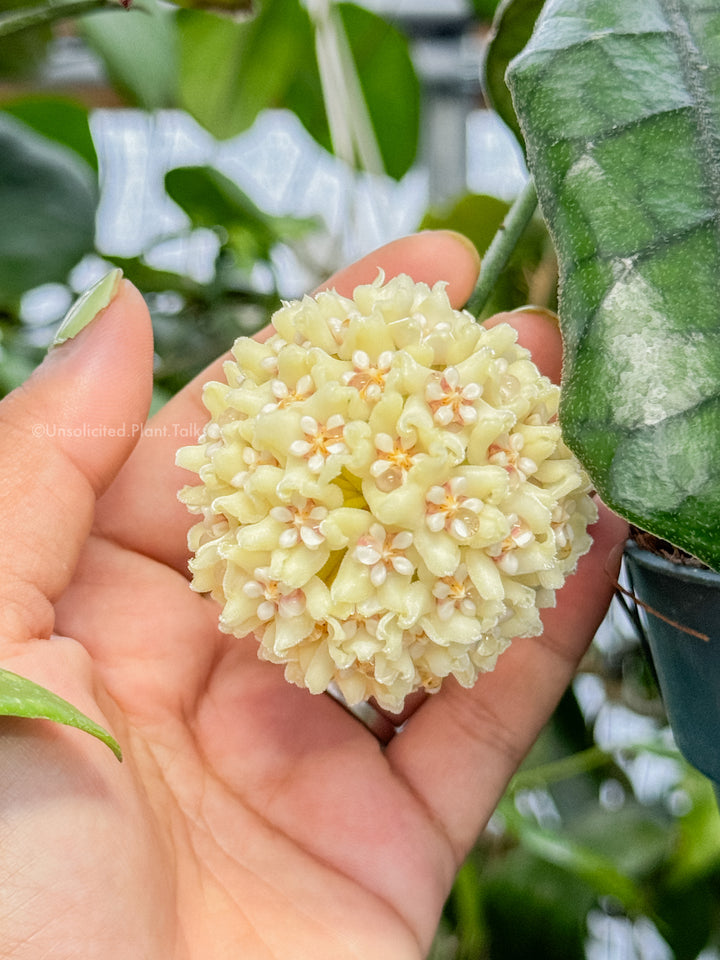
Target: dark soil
x,y
664,549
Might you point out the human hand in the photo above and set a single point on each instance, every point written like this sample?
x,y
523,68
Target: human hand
x,y
249,818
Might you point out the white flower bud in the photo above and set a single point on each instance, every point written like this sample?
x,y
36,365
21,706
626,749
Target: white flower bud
x,y
385,496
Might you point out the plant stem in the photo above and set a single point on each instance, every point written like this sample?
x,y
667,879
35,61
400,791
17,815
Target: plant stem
x,y
21,19
584,761
502,246
563,769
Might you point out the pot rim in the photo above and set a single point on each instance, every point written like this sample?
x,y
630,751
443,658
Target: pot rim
x,y
655,563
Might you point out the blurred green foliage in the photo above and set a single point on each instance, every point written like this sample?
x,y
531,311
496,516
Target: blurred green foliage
x,y
579,842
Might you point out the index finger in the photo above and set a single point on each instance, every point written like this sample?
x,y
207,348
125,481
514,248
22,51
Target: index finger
x,y
141,511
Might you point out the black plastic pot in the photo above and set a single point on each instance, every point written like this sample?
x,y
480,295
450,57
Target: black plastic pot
x,y
687,666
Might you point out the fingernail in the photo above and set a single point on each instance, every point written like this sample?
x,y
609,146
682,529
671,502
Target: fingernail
x,y
88,306
467,243
544,311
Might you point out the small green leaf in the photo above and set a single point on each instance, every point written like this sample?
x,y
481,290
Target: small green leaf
x,y
230,71
23,698
697,851
139,49
478,216
595,869
389,85
211,200
63,121
511,30
620,108
151,280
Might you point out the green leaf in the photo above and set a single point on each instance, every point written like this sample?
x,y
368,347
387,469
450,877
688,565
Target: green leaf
x,y
23,698
58,119
30,17
22,51
511,30
620,107
211,200
480,217
470,922
48,197
477,216
139,49
218,6
230,71
151,280
698,847
15,368
377,56
485,9
534,909
595,869
389,85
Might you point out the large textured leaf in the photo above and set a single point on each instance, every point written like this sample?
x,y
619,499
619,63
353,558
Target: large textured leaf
x,y
619,101
47,209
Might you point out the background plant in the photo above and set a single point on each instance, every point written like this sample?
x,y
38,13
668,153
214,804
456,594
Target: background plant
x,y
605,840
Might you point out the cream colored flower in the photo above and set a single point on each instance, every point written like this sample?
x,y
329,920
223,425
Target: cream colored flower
x,y
385,498
383,551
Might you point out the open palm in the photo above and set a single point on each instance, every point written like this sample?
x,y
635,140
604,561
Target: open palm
x,y
249,818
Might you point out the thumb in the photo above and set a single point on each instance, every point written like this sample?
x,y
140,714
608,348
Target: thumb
x,y
64,434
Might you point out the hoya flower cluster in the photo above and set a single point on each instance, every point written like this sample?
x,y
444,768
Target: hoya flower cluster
x,y
385,497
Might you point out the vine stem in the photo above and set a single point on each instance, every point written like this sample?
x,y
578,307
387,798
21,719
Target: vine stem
x,y
22,18
502,246
555,771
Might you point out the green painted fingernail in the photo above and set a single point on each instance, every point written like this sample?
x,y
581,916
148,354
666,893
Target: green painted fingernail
x,y
88,306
